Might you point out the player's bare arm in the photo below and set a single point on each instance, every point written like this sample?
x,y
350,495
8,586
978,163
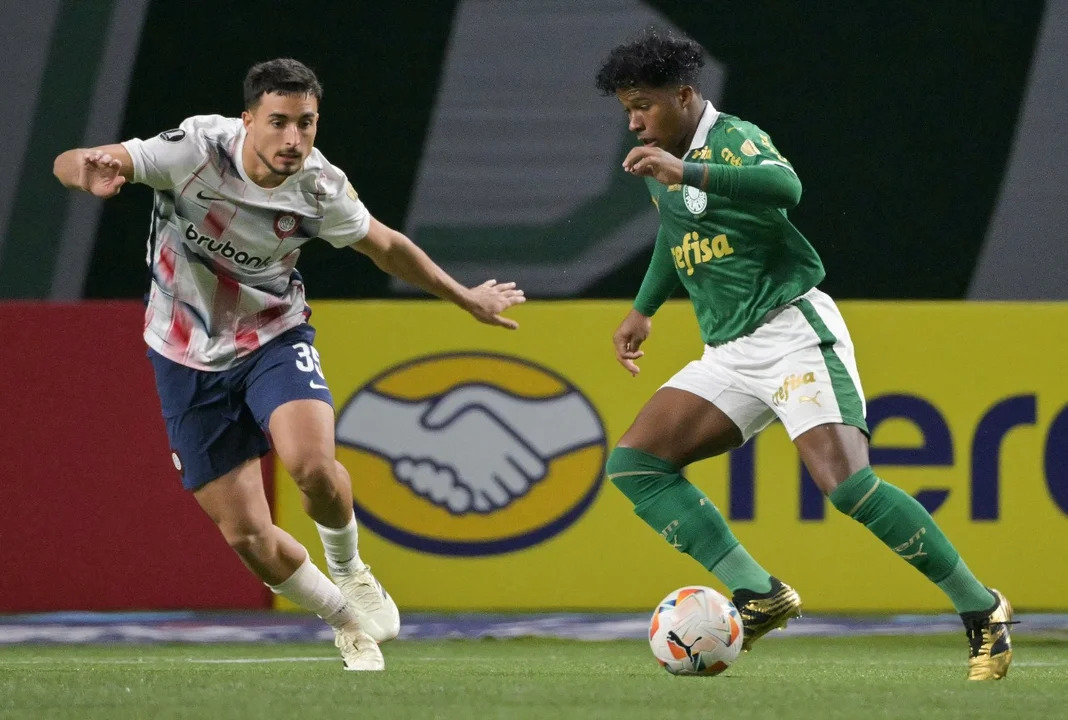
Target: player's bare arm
x,y
654,162
397,255
101,171
628,338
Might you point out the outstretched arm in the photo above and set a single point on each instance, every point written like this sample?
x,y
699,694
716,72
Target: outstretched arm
x,y
101,171
394,253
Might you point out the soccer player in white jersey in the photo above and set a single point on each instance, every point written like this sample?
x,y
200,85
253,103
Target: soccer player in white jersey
x,y
226,324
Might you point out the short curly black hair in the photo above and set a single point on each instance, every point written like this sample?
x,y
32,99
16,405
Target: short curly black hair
x,y
655,59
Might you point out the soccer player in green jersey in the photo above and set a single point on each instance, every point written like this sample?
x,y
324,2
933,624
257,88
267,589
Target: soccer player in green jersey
x,y
775,347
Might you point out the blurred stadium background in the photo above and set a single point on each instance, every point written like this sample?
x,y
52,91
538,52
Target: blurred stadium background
x,y
931,142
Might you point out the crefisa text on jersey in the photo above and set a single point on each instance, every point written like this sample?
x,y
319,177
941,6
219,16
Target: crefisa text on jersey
x,y
223,248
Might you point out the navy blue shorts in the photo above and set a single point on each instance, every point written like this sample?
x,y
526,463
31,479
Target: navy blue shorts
x,y
218,420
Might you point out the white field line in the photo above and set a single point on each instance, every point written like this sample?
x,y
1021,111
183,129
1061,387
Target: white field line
x,y
150,661
456,660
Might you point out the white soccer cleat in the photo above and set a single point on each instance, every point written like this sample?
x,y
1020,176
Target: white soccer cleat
x,y
375,609
359,651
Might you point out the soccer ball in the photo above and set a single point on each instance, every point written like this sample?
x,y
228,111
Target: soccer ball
x,y
695,631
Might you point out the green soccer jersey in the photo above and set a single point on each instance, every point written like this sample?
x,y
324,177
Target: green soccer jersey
x,y
733,248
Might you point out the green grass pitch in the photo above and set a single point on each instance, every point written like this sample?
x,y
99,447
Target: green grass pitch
x,y
858,677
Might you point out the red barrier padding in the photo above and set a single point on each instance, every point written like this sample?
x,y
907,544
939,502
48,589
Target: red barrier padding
x,y
92,512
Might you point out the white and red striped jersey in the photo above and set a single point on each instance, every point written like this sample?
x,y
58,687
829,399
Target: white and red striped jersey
x,y
223,250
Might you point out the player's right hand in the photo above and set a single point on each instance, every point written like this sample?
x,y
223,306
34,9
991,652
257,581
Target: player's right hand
x,y
654,162
628,337
490,299
99,174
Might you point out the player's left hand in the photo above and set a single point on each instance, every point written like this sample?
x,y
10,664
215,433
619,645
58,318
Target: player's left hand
x,y
654,162
490,299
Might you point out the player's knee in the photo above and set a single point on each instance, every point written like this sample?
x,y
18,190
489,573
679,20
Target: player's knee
x,y
616,465
313,473
250,541
633,471
631,460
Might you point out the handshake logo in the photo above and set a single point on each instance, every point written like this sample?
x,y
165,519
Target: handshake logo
x,y
475,448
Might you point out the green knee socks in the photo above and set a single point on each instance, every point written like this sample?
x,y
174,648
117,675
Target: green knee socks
x,y
898,519
685,517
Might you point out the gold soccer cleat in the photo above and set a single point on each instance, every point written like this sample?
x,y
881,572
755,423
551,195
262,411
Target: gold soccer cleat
x,y
990,651
763,612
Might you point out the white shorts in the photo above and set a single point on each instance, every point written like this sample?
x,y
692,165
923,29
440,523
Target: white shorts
x,y
798,366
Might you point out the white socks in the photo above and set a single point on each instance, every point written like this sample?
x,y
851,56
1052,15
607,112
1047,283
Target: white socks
x,y
313,591
340,544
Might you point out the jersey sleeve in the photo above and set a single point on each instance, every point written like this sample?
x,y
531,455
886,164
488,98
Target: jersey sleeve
x,y
744,144
165,161
660,280
741,163
345,218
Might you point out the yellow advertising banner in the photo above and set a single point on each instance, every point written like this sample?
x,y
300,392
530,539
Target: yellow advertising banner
x,y
476,456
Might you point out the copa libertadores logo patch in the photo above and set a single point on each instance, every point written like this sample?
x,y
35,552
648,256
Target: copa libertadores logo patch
x,y
470,454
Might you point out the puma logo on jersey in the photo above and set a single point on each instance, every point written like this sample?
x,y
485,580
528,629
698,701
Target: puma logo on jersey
x,y
701,250
223,248
793,382
814,399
